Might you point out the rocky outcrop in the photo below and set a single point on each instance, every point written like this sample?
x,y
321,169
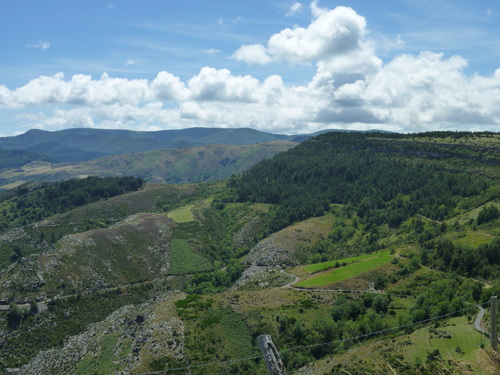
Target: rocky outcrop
x,y
247,235
126,342
269,252
133,250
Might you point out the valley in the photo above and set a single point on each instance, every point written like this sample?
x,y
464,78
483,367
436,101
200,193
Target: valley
x,y
357,252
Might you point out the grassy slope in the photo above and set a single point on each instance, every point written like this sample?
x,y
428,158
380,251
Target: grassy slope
x,y
111,243
245,314
206,163
97,215
412,348
356,267
292,244
182,214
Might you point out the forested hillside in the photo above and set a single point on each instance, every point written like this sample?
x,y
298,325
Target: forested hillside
x,y
18,158
357,253
381,177
186,165
43,201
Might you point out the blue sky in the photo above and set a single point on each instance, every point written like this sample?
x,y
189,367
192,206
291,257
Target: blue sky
x,y
278,66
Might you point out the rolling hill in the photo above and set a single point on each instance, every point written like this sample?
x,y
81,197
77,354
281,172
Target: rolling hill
x,y
357,253
186,165
85,144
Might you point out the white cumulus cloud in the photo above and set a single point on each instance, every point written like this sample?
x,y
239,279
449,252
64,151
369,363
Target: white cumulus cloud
x,y
335,40
336,32
220,85
350,87
166,86
252,54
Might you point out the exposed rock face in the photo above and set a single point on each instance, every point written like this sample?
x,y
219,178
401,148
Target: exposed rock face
x,y
126,342
249,274
247,235
25,273
290,246
132,250
12,235
270,252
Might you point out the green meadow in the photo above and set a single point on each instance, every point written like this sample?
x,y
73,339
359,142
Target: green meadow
x,y
182,215
356,266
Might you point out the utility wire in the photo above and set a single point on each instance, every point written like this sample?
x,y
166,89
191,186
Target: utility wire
x,y
314,345
381,331
373,352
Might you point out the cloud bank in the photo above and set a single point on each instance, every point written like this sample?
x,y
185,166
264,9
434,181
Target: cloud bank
x,y
352,88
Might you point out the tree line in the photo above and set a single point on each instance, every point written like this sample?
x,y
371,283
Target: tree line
x,y
30,204
384,181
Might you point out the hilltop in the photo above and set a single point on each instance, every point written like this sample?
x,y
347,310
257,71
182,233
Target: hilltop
x,y
356,252
171,156
84,144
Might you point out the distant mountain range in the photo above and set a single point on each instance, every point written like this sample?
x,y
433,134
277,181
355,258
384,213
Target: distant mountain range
x,y
83,144
168,156
187,165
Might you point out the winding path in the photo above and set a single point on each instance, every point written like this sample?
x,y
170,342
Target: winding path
x,y
478,320
289,285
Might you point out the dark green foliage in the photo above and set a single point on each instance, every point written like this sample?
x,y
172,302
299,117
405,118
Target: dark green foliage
x,y
33,307
18,158
483,261
381,303
15,316
31,205
165,363
488,213
438,300
18,253
215,281
384,181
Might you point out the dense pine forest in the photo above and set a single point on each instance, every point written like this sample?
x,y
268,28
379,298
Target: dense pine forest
x,y
383,178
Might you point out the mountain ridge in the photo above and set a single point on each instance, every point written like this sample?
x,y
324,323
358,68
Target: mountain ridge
x,y
88,143
403,233
83,144
185,165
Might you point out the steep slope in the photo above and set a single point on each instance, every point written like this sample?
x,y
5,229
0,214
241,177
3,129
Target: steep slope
x,y
385,177
122,342
291,245
117,241
407,227
132,251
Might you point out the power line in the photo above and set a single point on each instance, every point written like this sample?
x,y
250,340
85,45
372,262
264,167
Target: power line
x,y
315,345
380,331
376,351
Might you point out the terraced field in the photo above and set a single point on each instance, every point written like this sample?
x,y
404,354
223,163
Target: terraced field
x,y
330,272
